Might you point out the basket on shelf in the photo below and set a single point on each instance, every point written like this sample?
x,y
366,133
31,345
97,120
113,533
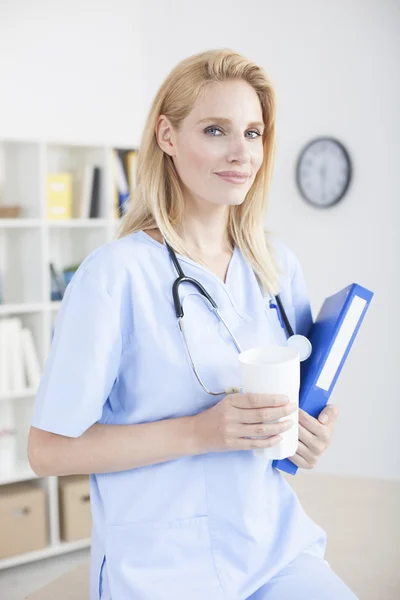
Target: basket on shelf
x,y
10,212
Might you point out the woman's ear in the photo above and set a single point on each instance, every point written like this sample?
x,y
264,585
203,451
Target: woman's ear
x,y
165,135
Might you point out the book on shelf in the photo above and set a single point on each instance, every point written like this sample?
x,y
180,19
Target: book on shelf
x,y
125,165
57,284
19,362
129,158
95,196
60,280
59,196
30,358
84,193
69,272
88,193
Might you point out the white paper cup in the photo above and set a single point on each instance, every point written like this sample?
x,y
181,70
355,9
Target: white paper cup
x,y
274,370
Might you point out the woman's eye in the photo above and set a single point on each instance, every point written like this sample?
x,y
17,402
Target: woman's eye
x,y
258,134
212,128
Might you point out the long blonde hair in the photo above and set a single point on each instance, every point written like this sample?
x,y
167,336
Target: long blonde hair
x,y
158,199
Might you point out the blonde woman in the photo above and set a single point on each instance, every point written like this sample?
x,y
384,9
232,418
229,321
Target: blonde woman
x,y
182,508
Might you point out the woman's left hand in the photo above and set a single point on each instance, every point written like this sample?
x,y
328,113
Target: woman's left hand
x,y
314,436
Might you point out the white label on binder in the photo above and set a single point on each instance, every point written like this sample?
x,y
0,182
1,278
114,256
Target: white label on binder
x,y
341,343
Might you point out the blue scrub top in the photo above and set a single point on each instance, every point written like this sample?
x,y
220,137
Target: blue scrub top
x,y
215,526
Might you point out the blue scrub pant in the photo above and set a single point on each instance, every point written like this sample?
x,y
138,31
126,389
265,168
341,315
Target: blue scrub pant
x,y
305,578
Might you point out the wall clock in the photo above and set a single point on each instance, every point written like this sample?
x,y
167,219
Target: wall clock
x,y
323,172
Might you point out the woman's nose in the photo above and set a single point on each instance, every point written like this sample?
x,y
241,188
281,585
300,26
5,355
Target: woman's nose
x,y
239,150
241,158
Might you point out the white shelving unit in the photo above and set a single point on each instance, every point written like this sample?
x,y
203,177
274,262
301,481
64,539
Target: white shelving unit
x,y
27,245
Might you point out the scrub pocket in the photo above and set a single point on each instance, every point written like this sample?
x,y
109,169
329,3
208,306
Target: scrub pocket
x,y
278,331
162,561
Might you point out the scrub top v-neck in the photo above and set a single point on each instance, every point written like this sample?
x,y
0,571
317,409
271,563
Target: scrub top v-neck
x,y
212,526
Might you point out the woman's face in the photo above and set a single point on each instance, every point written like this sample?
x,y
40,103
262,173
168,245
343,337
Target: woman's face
x,y
222,133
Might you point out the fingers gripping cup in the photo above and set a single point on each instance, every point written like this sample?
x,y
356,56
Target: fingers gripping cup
x,y
274,370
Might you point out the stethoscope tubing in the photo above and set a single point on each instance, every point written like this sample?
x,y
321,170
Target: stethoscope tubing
x,y
182,278
292,339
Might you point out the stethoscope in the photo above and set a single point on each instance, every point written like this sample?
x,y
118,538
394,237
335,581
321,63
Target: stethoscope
x,y
300,342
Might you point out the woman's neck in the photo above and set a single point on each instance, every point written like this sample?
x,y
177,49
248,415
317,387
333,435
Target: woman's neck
x,y
206,233
206,236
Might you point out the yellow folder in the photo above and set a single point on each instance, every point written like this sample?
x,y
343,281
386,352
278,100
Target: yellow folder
x,y
59,196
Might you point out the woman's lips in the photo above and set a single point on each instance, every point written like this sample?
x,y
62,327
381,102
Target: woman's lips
x,y
235,179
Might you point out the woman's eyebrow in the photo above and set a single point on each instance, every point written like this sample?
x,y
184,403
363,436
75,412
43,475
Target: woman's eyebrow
x,y
228,121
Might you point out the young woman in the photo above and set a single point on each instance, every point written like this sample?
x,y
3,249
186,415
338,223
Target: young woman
x,y
182,508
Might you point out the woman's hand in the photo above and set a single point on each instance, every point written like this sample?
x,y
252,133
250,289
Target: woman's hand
x,y
314,436
226,425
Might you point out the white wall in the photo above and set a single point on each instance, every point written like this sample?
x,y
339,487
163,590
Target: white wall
x,y
89,75
71,71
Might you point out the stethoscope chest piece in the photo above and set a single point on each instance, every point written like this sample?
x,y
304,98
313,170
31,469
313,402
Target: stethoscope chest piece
x,y
301,344
294,340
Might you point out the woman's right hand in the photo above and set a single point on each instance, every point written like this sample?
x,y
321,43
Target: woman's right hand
x,y
228,424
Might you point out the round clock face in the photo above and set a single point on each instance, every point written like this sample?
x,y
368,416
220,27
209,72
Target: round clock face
x,y
323,172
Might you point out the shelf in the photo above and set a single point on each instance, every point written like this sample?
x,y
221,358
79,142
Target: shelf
x,y
21,265
22,472
70,246
54,550
20,222
26,393
21,308
21,168
28,244
55,305
71,223
26,223
27,308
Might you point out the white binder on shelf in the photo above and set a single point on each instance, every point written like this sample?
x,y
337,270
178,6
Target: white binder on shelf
x,y
4,370
17,375
19,362
30,358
